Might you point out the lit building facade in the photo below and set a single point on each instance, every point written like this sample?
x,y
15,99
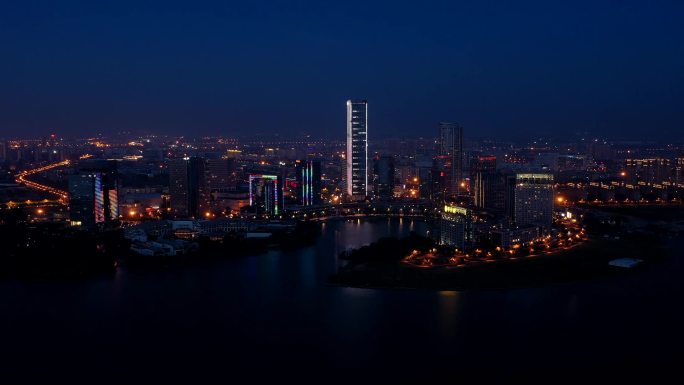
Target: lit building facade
x,y
451,151
357,149
93,193
456,227
266,194
308,176
533,200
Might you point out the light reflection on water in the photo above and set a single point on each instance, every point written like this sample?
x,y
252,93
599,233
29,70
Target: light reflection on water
x,y
280,307
448,307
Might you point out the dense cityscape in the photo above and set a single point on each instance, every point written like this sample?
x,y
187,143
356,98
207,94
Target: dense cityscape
x,y
358,192
485,199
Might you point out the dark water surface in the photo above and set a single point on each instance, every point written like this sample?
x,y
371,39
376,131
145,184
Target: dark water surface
x,y
274,317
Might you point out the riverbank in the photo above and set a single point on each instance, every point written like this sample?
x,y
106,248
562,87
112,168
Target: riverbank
x,y
586,261
631,232
206,250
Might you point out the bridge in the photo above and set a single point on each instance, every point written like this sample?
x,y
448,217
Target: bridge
x,y
62,195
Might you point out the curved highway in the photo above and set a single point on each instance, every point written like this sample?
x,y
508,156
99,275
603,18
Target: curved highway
x,y
22,178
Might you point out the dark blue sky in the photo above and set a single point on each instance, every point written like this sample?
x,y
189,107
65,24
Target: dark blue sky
x,y
501,68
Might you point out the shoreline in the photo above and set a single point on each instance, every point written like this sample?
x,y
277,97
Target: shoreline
x,y
584,262
640,232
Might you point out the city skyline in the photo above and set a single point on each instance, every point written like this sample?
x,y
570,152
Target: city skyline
x,y
354,192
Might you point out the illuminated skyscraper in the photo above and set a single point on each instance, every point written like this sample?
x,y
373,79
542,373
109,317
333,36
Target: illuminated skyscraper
x,y
308,176
489,186
357,149
451,151
266,194
93,193
533,202
456,227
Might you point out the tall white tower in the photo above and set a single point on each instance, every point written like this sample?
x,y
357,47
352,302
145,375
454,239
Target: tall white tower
x,y
357,149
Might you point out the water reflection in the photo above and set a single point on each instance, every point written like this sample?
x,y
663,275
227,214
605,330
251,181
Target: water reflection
x,y
279,307
449,304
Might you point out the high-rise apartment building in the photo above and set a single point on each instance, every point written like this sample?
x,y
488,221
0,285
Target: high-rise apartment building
x,y
187,186
357,149
451,151
456,227
490,191
533,201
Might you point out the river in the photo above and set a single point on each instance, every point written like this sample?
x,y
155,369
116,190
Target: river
x,y
273,316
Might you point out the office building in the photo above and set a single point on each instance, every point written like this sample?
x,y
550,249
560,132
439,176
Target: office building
x,y
383,176
187,187
451,151
456,227
266,194
93,193
490,191
357,149
533,200
308,177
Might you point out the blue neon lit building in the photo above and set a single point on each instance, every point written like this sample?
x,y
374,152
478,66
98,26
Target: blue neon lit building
x,y
308,173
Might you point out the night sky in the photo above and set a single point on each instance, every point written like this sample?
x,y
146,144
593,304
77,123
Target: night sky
x,y
501,68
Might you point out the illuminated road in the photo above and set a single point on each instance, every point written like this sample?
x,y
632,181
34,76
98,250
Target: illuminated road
x,y
23,176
